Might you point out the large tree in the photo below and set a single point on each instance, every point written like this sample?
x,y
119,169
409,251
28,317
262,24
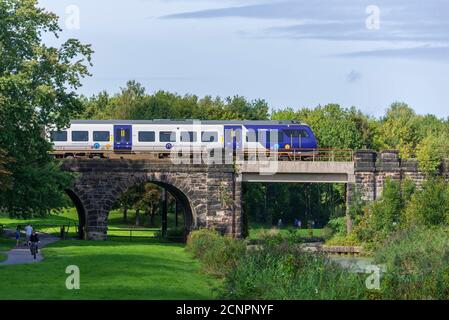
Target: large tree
x,y
38,86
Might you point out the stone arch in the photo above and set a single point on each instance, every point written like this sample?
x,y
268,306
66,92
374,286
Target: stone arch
x,y
80,210
176,187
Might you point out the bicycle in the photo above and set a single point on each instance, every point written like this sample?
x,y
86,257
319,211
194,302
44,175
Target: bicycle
x,y
34,249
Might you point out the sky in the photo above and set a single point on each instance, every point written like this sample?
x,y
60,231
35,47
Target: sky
x,y
292,53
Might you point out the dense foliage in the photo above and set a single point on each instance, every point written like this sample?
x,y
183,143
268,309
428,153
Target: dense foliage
x,y
417,264
402,206
37,89
219,254
279,270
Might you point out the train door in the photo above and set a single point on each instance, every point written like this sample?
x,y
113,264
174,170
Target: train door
x,y
233,137
122,137
294,138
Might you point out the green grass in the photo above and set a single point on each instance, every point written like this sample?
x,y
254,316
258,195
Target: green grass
x,y
110,270
256,229
51,224
2,256
6,244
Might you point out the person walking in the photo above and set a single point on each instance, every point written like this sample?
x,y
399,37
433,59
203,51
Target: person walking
x,y
28,232
17,234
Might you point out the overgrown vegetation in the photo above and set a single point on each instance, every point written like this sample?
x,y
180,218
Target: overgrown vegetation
x,y
417,262
218,254
278,270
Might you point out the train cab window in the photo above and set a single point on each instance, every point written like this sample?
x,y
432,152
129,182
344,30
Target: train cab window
x,y
188,136
209,136
101,136
80,136
147,136
296,133
280,134
58,136
167,136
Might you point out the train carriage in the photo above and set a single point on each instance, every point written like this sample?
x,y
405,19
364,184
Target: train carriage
x,y
112,138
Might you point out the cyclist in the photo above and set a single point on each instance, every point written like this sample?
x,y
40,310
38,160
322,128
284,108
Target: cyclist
x,y
34,240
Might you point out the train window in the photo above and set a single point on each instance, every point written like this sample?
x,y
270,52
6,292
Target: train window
x,y
80,136
209,136
167,136
102,136
295,133
252,136
188,136
147,136
58,136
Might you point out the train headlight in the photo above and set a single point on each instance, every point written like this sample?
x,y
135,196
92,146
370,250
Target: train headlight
x,y
287,146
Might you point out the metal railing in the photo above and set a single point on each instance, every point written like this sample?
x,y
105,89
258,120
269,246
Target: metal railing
x,y
296,154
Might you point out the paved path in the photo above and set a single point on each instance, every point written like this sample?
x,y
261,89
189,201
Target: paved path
x,y
22,254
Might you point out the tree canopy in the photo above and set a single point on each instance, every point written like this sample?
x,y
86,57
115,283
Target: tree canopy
x,y
38,86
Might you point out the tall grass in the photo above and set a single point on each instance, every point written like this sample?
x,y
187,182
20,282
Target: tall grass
x,y
417,261
282,271
218,254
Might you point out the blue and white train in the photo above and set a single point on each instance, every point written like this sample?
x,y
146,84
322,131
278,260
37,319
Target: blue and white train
x,y
105,138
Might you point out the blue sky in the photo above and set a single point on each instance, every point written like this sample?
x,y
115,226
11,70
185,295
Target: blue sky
x,y
292,53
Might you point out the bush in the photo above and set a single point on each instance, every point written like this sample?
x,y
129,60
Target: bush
x,y
199,241
417,262
282,271
338,226
218,254
384,216
430,205
275,236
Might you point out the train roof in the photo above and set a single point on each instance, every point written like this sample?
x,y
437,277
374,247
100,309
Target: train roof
x,y
191,121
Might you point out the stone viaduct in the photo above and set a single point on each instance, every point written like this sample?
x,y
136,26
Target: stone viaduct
x,y
210,195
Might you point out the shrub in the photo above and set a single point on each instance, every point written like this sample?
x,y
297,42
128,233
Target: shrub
x,y
274,236
430,205
199,241
338,226
383,217
283,271
218,254
417,262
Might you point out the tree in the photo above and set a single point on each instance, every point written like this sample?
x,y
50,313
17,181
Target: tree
x,y
399,130
5,175
37,90
334,126
430,205
431,151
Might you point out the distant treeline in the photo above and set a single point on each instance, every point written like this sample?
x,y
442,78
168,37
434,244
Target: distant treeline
x,y
421,136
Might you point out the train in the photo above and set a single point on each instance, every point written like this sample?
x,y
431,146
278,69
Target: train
x,y
109,138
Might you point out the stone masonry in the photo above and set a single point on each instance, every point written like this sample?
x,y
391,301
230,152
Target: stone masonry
x,y
209,194
372,169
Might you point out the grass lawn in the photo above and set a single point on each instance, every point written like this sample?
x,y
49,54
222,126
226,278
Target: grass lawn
x,y
52,223
6,244
110,270
256,229
2,256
